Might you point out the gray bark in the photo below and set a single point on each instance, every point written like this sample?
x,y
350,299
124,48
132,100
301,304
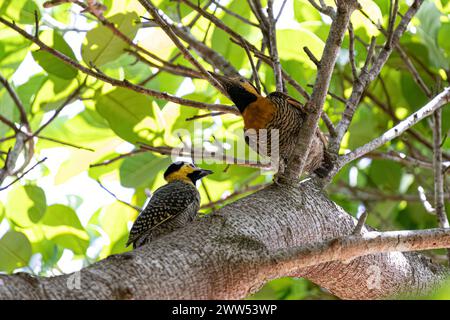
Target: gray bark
x,y
225,256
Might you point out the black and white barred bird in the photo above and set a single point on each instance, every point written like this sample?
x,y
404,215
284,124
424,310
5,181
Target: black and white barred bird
x,y
172,206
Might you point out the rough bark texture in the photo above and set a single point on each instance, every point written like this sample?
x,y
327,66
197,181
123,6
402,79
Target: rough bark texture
x,y
224,256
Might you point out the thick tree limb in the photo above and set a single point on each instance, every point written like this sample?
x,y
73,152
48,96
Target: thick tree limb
x,y
231,253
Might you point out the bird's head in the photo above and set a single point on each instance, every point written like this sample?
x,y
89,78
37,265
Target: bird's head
x,y
185,171
240,90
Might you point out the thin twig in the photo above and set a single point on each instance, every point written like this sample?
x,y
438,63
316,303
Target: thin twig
x,y
17,102
281,11
9,123
234,14
435,104
439,203
119,83
115,197
23,174
149,6
67,101
200,116
361,221
64,143
392,17
351,51
254,70
197,154
274,48
311,56
119,157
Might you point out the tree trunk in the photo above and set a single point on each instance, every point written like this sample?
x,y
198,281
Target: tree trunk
x,y
225,256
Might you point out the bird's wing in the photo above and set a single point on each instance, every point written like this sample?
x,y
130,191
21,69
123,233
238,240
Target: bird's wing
x,y
165,204
295,103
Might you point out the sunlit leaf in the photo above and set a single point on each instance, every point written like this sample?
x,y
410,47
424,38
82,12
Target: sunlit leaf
x,y
49,62
62,226
25,205
21,11
129,114
15,251
291,43
140,170
13,50
102,46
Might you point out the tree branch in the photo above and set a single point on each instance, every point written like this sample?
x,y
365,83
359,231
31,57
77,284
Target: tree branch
x,y
231,253
18,103
149,6
315,104
22,174
350,247
439,101
273,47
366,77
439,204
116,82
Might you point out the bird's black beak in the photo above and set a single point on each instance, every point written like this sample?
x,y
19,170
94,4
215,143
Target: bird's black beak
x,y
202,173
198,173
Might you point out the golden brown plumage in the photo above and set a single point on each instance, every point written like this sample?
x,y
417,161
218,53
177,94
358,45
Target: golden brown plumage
x,y
276,111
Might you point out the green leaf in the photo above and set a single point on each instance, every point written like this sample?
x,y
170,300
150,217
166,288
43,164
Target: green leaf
x,y
62,226
21,11
2,211
220,39
113,220
13,50
385,174
430,24
52,93
128,113
7,109
140,170
49,62
361,22
361,131
412,92
25,205
112,168
62,13
443,36
102,46
291,43
15,251
28,91
303,11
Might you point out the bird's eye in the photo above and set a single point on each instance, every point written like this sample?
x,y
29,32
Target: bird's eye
x,y
241,80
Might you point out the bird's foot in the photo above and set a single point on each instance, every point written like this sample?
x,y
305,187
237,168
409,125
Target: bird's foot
x,y
325,167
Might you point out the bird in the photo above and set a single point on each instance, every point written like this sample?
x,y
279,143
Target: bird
x,y
279,111
171,206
